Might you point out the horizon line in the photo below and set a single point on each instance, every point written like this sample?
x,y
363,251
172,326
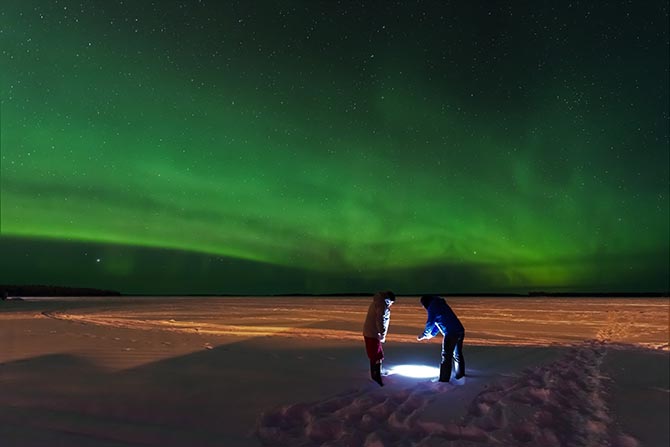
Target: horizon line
x,y
51,290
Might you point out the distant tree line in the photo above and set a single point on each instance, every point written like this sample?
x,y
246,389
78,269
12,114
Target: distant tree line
x,y
41,290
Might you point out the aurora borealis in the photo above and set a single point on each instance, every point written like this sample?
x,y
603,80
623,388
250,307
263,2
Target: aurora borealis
x,y
321,147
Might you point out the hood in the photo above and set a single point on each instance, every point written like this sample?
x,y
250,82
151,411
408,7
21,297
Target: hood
x,y
426,300
380,297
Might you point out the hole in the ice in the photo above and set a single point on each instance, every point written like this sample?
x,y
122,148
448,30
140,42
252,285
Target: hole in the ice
x,y
415,371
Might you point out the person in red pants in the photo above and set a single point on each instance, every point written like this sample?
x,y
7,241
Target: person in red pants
x,y
441,319
375,329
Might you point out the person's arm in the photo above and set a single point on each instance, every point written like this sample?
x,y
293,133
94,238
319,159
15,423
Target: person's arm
x,y
383,316
431,329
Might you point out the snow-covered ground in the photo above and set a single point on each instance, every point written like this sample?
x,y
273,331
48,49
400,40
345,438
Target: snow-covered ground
x,y
292,371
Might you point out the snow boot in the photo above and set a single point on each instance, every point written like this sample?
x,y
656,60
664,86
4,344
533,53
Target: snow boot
x,y
376,373
445,371
459,371
459,366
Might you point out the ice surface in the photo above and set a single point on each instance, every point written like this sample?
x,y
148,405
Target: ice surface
x,y
292,371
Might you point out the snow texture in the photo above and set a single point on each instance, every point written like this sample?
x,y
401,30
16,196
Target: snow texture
x,y
559,404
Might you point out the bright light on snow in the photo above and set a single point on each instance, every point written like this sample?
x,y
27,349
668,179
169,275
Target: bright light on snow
x,y
416,371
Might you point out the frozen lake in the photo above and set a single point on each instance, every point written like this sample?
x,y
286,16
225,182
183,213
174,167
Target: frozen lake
x,y
488,321
288,371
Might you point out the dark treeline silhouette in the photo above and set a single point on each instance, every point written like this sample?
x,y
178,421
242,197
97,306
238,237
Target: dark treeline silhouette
x,y
46,290
42,290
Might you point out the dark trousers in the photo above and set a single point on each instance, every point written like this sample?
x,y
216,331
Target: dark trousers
x,y
452,350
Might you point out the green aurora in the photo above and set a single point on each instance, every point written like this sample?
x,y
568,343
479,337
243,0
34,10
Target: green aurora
x,y
272,147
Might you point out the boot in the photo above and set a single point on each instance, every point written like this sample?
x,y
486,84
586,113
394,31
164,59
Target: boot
x,y
445,371
376,373
459,366
459,371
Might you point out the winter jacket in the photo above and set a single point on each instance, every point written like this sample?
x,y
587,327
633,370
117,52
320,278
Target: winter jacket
x,y
378,318
441,319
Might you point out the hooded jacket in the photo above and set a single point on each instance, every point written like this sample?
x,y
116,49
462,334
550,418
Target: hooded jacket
x,y
379,315
441,319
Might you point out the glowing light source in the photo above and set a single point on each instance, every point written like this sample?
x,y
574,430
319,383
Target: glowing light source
x,y
415,371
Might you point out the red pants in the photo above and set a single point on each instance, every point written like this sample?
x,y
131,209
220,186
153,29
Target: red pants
x,y
373,348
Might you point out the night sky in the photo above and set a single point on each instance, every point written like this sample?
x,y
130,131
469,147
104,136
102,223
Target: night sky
x,y
320,146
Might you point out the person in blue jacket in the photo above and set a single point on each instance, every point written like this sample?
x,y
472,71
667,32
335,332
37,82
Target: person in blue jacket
x,y
441,319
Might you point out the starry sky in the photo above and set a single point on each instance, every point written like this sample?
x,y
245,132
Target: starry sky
x,y
163,147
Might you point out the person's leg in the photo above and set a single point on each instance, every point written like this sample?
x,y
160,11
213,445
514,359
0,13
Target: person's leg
x,y
459,359
373,348
448,343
